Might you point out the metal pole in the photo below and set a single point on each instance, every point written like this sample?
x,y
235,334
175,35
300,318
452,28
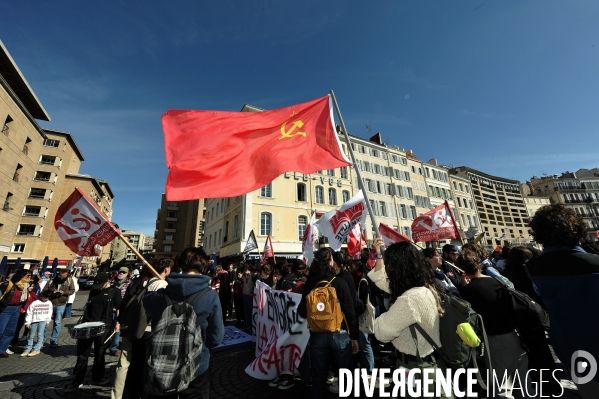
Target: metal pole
x,y
353,158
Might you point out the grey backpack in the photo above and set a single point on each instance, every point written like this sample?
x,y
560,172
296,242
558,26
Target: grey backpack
x,y
175,349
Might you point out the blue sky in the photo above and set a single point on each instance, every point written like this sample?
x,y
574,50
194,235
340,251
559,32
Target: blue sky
x,y
508,87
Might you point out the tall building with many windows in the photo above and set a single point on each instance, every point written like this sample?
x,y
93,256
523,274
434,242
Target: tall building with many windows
x,y
178,226
39,169
577,190
465,206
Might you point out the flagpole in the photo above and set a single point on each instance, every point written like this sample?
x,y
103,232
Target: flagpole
x,y
132,248
358,174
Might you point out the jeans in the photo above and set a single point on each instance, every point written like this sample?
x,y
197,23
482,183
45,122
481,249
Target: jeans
x,y
57,314
366,355
83,346
8,324
37,329
322,345
248,302
67,310
114,341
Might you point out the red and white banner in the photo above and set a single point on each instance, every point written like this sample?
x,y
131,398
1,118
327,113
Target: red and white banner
x,y
437,224
310,235
336,224
268,251
281,334
391,236
82,226
356,241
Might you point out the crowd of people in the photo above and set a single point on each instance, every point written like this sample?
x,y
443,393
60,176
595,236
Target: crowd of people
x,y
404,286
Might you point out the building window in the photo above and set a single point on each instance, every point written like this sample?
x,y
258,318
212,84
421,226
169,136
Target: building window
x,y
331,172
302,222
235,226
266,191
20,248
459,201
51,143
32,211
172,204
301,192
265,224
168,237
6,206
212,213
217,208
382,208
345,195
170,225
226,230
332,196
168,248
172,214
210,241
47,160
42,176
319,192
220,236
343,171
26,230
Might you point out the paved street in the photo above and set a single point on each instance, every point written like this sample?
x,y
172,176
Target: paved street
x,y
45,375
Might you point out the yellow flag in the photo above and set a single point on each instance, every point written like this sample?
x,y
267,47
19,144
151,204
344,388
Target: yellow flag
x,y
479,237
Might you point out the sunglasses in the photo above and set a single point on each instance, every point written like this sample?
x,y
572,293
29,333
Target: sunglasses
x,y
123,272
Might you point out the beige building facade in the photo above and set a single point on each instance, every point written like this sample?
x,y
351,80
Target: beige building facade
x,y
177,226
577,190
39,169
465,206
501,209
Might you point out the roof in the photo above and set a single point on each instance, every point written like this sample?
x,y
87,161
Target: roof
x,y
69,138
107,187
485,175
17,82
94,181
251,108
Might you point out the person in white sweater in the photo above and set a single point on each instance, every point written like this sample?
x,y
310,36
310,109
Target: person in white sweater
x,y
38,317
403,272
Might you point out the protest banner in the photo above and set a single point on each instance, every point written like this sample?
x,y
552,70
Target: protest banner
x,y
281,334
337,224
437,224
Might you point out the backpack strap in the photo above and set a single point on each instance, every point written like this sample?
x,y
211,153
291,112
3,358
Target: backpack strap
x,y
190,300
325,281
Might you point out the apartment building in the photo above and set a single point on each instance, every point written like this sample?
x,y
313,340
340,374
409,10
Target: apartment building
x,y
501,209
577,190
39,169
465,206
177,226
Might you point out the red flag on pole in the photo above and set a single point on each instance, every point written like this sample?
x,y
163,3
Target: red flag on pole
x,y
391,236
310,235
356,241
437,224
268,251
215,154
82,226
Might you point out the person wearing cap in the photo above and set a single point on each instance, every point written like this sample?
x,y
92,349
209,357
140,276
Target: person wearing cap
x,y
121,282
450,255
102,299
58,290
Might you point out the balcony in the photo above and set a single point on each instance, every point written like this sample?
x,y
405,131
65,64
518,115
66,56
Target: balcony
x,y
172,208
169,219
31,214
168,242
170,230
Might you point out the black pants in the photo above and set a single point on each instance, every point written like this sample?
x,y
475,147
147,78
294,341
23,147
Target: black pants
x,y
198,389
239,313
224,304
83,346
137,368
20,324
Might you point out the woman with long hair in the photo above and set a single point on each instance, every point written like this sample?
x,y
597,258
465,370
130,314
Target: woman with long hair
x,y
403,272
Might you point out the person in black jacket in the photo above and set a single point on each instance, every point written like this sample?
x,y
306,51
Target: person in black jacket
x,y
340,344
102,299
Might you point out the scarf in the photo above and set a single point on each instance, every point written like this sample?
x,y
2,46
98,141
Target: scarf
x,y
20,286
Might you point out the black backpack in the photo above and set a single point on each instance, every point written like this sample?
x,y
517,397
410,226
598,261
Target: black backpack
x,y
454,352
132,314
174,352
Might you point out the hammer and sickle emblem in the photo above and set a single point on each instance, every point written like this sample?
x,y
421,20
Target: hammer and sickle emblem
x,y
287,134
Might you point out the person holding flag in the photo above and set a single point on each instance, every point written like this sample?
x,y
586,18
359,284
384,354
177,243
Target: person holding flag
x,y
268,251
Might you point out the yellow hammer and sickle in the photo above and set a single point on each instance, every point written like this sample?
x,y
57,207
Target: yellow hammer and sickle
x,y
287,134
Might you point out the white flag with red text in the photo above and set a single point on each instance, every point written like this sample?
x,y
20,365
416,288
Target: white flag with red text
x,y
336,224
82,226
268,251
356,241
310,235
437,224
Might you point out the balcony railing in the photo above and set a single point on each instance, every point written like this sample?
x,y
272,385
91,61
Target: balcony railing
x,y
37,196
44,179
25,149
24,233
16,177
5,130
46,163
31,214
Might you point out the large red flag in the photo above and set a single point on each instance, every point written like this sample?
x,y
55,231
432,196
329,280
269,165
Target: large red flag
x,y
437,224
391,236
268,251
82,226
215,154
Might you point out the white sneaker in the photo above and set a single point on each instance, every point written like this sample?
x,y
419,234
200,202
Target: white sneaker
x,y
330,377
9,351
334,387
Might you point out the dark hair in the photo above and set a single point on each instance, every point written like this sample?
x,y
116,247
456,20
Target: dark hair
x,y
159,264
406,268
557,226
341,259
320,266
360,266
518,257
429,252
447,248
192,259
44,294
505,251
477,249
470,260
19,274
